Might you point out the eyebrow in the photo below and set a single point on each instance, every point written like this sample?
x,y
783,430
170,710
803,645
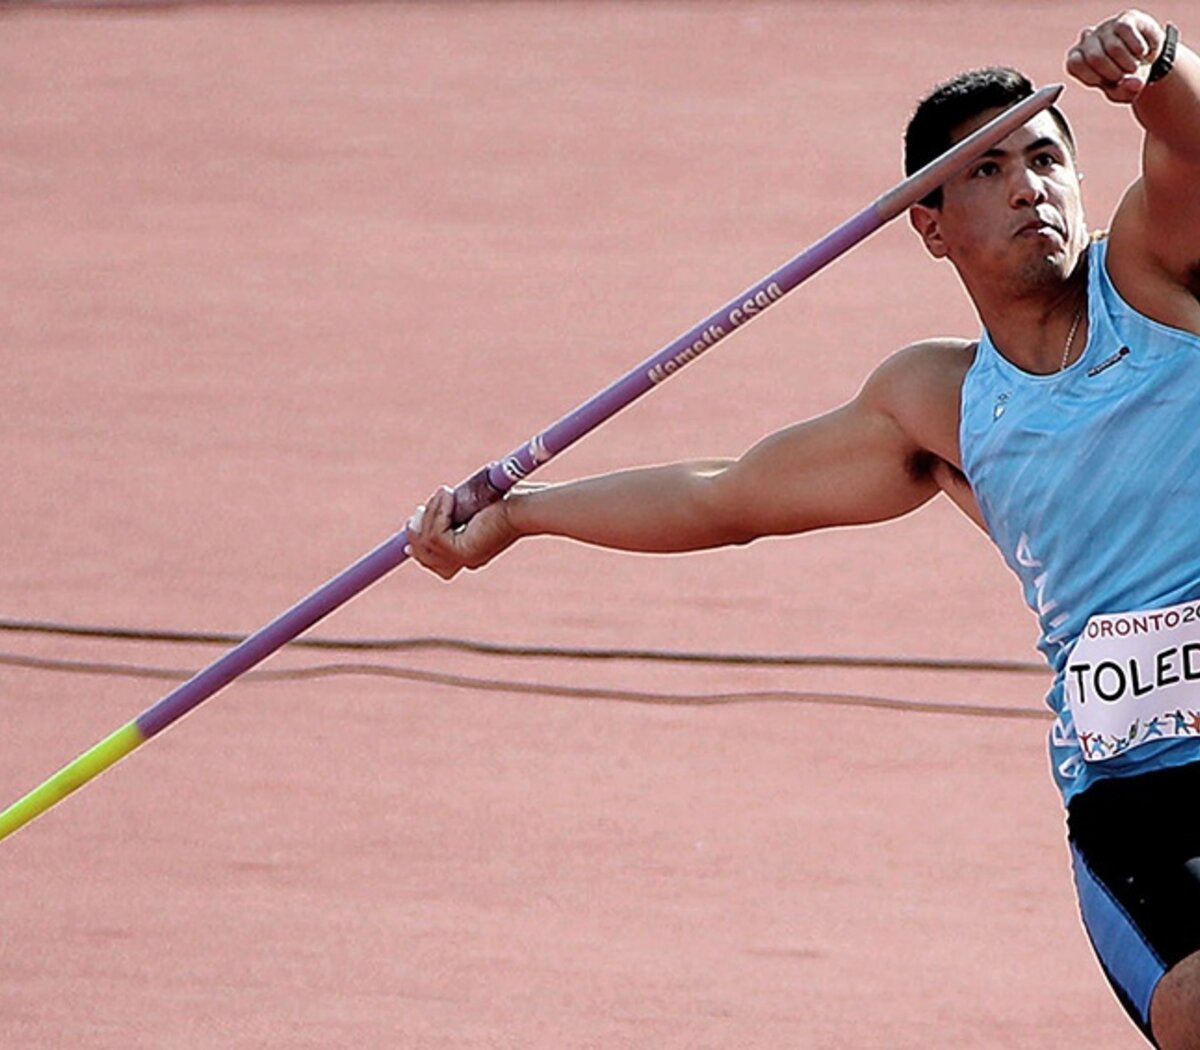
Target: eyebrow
x,y
1033,147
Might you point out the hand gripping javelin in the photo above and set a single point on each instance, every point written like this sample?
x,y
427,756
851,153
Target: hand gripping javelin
x,y
493,481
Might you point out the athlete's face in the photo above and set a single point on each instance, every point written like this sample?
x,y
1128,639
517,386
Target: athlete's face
x,y
1015,216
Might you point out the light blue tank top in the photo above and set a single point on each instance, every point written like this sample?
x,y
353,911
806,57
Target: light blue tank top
x,y
1089,483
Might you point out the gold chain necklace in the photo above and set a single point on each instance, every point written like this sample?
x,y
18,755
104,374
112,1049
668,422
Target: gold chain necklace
x,y
1071,336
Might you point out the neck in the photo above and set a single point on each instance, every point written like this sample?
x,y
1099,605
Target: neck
x,y
1032,328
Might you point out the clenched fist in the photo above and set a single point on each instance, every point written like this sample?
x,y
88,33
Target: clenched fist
x,y
1116,55
440,547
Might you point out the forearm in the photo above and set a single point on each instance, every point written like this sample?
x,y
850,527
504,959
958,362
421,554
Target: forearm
x,y
851,466
1169,109
652,509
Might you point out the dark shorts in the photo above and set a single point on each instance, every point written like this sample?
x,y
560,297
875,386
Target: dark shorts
x,y
1135,844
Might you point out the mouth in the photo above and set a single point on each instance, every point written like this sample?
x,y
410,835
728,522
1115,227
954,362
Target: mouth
x,y
1040,228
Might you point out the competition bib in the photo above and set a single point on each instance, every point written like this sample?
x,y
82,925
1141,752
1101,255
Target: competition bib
x,y
1135,677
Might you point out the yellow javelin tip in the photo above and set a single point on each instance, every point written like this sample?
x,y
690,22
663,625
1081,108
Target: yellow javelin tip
x,y
72,776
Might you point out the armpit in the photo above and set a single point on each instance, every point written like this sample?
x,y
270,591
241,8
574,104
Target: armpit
x,y
953,482
926,465
922,466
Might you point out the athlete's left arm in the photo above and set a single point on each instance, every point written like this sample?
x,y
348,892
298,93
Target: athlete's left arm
x,y
1161,212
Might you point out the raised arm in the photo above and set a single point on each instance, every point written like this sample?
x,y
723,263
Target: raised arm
x,y
1157,226
858,464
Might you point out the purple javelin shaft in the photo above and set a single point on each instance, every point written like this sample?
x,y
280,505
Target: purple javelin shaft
x,y
258,646
491,482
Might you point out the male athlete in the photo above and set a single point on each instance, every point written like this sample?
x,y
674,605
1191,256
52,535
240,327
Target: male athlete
x,y
1070,431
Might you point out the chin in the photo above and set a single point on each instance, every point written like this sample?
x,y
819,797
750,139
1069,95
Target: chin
x,y
1049,269
1037,276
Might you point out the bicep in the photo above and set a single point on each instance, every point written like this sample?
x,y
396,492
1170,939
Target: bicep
x,y
1165,202
852,466
1160,208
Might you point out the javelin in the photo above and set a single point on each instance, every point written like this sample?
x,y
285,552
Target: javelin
x,y
490,483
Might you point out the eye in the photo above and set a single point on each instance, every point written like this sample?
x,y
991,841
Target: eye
x,y
985,169
1045,160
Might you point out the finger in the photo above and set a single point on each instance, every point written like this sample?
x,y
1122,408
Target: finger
x,y
416,521
1136,41
440,511
1123,49
430,552
1078,67
437,551
1099,61
438,566
1127,88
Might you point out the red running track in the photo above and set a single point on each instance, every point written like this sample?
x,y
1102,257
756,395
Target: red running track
x,y
264,267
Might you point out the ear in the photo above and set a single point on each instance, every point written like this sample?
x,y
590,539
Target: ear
x,y
928,224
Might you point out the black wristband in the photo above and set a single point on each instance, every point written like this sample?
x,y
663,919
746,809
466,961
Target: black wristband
x,y
1166,57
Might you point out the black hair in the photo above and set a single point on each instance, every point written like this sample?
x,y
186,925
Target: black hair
x,y
948,106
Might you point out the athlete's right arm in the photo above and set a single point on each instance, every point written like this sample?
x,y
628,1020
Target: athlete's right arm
x,y
852,466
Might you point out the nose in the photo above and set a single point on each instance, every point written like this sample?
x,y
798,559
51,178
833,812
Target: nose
x,y
1026,188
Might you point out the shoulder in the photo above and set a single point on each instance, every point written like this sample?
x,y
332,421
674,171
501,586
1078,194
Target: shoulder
x,y
937,355
1155,275
929,370
920,388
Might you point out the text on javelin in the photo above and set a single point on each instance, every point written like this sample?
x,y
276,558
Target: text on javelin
x,y
737,315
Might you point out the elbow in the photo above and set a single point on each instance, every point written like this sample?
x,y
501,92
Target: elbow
x,y
722,517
